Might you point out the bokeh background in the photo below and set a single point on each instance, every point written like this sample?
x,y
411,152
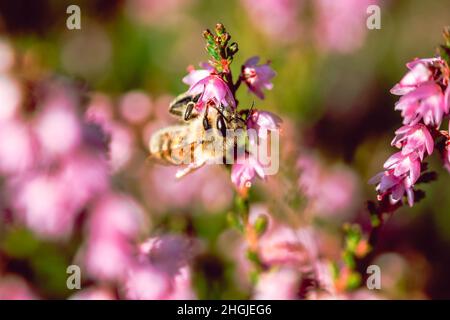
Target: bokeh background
x,y
77,108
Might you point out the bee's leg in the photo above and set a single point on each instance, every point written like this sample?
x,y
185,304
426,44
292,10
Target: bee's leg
x,y
220,111
206,124
188,169
188,113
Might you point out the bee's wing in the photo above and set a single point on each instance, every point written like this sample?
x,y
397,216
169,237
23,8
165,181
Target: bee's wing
x,y
174,144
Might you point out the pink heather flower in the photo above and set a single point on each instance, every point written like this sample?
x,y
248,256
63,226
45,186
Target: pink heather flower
x,y
244,171
182,286
17,147
419,73
282,245
116,215
143,282
100,109
401,164
195,75
341,25
113,226
85,175
109,258
280,284
15,288
425,103
157,13
135,107
120,146
257,77
414,138
209,186
58,127
168,253
330,191
422,90
160,270
263,121
213,89
44,205
278,19
395,186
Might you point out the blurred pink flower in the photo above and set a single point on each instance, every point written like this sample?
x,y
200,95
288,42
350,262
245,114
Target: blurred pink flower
x,y
17,147
157,13
213,89
85,175
58,126
121,145
143,282
108,258
10,96
43,204
121,138
330,191
278,19
182,288
281,245
161,270
258,77
167,253
341,25
135,107
99,110
280,284
113,226
414,138
209,187
116,215
15,288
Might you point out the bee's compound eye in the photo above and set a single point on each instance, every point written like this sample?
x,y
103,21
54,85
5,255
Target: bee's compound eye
x,y
221,126
206,124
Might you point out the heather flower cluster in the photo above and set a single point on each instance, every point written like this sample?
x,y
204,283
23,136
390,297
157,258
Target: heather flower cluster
x,y
87,212
213,82
58,159
424,104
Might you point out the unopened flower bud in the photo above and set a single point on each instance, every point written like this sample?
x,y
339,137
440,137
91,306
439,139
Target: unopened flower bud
x,y
261,224
233,48
220,29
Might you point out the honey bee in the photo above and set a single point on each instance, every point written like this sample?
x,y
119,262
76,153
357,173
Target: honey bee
x,y
202,137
